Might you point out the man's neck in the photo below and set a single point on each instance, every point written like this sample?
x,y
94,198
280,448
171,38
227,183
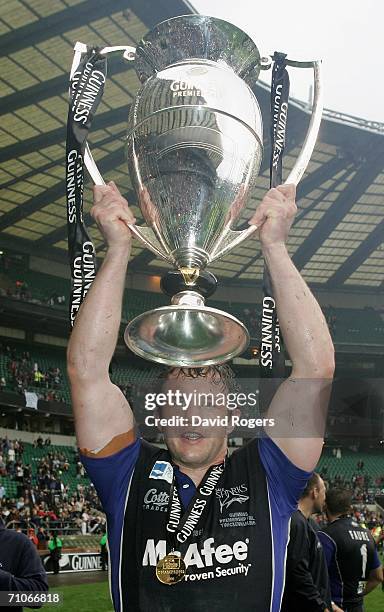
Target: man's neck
x,y
306,507
334,517
197,473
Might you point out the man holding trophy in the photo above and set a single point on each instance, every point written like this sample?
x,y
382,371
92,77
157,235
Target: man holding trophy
x,y
191,527
274,471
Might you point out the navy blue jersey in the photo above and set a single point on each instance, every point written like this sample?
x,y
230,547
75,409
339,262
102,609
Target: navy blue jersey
x,y
237,557
351,555
307,583
20,565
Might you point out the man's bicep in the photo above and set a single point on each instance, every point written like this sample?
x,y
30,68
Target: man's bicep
x,y
373,559
101,413
376,574
299,410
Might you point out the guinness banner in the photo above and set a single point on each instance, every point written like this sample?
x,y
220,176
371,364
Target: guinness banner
x,y
86,90
74,562
272,357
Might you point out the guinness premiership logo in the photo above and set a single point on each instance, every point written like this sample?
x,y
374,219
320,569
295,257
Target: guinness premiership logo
x,y
183,89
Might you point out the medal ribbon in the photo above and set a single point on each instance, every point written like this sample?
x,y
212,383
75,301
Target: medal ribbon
x,y
180,527
272,354
86,91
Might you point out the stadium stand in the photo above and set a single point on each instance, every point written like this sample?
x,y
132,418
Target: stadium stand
x,y
347,325
363,472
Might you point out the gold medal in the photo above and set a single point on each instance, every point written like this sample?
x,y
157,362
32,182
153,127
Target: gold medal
x,y
171,569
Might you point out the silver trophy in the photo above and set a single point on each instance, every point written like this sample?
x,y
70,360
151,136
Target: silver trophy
x,y
194,149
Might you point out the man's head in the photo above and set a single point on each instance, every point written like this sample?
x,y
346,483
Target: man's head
x,y
195,444
313,496
338,501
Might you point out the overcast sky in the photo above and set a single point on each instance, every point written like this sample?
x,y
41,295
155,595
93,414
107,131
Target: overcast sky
x,y
348,35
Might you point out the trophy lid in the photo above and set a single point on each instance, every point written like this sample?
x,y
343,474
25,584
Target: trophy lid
x,y
199,37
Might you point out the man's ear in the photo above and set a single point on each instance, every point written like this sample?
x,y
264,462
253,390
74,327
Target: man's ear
x,y
157,415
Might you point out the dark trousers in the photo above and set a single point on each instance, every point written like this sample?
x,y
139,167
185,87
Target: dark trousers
x,y
104,557
55,557
358,608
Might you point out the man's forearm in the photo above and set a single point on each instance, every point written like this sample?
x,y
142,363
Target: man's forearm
x,y
94,336
371,585
301,320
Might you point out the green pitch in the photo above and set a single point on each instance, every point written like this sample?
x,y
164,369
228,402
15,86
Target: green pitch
x,y
91,597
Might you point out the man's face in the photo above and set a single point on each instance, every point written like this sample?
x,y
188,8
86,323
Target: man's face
x,y
195,444
319,496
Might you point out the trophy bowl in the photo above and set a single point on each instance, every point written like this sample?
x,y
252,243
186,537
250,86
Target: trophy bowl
x,y
194,149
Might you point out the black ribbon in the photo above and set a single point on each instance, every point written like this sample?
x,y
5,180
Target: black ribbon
x,y
272,354
181,526
86,91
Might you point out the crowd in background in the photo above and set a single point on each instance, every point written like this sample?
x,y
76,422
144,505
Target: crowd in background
x,y
43,501
24,374
364,487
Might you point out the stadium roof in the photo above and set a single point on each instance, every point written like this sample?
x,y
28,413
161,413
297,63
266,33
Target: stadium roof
x,y
337,238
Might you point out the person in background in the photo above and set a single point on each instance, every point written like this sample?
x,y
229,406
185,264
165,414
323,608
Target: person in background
x,y
20,565
32,536
103,551
307,584
353,563
55,546
42,539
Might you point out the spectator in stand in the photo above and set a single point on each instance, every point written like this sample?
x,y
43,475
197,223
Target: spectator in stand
x,y
38,378
84,523
32,536
42,539
2,466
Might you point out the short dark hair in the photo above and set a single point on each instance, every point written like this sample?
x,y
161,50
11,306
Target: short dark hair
x,y
311,484
218,374
339,500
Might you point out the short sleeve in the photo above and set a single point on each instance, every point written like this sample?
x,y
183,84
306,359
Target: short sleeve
x,y
375,560
286,481
329,547
111,475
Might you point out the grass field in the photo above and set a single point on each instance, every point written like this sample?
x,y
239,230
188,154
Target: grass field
x,y
95,598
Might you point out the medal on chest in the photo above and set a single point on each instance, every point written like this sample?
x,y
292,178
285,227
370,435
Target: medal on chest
x,y
172,568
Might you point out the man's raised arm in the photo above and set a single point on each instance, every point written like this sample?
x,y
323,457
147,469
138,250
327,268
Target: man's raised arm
x,y
300,404
100,408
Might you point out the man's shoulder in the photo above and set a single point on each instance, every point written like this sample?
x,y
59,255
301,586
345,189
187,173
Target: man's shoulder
x,y
249,448
150,453
16,538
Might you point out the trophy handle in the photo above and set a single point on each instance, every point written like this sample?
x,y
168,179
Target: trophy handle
x,y
231,238
145,234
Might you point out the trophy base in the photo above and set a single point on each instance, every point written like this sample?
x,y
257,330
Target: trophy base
x,y
186,334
